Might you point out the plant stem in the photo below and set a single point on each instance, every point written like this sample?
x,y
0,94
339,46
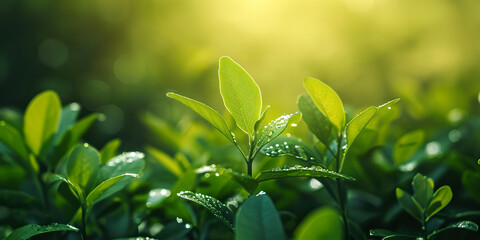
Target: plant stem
x,y
83,228
341,203
249,168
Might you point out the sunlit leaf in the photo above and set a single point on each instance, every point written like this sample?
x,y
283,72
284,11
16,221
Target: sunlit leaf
x,y
316,121
422,190
125,163
82,165
217,208
109,151
410,205
67,118
323,223
166,161
299,171
74,188
212,116
107,188
285,145
259,123
440,199
407,145
257,219
275,128
468,225
41,121
327,101
31,230
241,94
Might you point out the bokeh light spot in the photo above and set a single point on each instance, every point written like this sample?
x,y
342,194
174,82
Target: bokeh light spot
x,y
113,118
52,53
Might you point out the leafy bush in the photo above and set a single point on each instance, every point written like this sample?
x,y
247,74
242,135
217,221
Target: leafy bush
x,y
254,180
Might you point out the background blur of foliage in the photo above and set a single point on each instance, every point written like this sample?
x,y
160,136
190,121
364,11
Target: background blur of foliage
x,y
120,57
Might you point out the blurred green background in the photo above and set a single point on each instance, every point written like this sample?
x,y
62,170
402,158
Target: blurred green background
x,y
120,57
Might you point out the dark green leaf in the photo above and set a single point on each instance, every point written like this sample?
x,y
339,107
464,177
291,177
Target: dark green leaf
x,y
14,140
318,123
399,237
247,182
285,145
16,199
471,183
257,219
241,94
323,223
41,121
67,118
380,232
275,128
31,230
468,225
217,208
422,190
82,165
327,101
299,171
410,204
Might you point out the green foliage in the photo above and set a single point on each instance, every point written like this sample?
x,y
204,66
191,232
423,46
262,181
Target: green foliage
x,y
31,230
241,94
323,223
299,171
258,219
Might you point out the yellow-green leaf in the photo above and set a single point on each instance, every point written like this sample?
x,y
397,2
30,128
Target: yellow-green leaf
x,y
440,199
327,101
324,223
241,94
41,121
208,113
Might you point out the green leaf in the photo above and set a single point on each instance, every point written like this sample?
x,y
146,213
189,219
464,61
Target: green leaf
x,y
257,219
68,117
440,199
168,162
31,230
327,101
75,189
468,225
13,139
323,223
275,128
217,208
356,126
107,188
247,182
410,204
41,121
285,145
241,94
109,151
422,190
259,123
380,232
407,145
82,165
400,237
208,113
71,137
316,121
17,199
125,163
299,171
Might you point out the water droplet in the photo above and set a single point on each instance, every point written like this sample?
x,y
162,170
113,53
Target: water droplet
x,y
389,108
261,193
217,174
85,144
270,133
315,184
207,175
179,220
293,124
277,145
188,226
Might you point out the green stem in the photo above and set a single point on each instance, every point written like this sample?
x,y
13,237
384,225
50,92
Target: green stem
x,y
341,203
83,228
